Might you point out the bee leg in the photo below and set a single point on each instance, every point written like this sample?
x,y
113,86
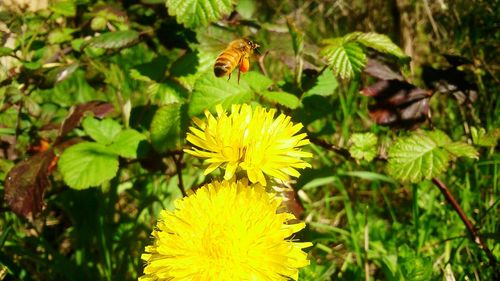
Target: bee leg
x,y
229,77
239,71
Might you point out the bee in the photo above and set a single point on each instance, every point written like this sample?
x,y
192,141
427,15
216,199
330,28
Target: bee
x,y
237,53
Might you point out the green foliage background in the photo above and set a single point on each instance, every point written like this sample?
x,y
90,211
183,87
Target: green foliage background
x,y
106,90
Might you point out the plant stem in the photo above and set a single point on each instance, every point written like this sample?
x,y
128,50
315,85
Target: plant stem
x,y
178,168
472,230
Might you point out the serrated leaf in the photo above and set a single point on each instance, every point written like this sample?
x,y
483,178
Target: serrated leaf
x,y
5,51
114,40
439,137
381,43
462,149
282,98
197,13
346,59
415,158
325,85
168,127
210,91
127,143
364,146
481,138
87,164
102,131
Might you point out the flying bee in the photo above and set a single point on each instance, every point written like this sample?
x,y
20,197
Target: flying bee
x,y
237,53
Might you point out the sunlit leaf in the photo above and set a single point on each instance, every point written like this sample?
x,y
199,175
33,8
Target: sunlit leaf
x,y
87,164
257,81
346,59
482,138
363,146
198,13
127,143
102,131
416,157
462,149
210,91
282,98
381,43
325,85
65,8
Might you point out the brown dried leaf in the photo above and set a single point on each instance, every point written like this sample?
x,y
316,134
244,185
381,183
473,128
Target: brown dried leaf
x,y
25,184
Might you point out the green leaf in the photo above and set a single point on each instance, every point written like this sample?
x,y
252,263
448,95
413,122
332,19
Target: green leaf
x,y
257,81
168,127
364,146
346,59
462,149
282,98
481,138
197,13
65,8
210,91
104,131
87,164
381,43
114,40
325,85
167,92
58,36
5,51
416,157
127,143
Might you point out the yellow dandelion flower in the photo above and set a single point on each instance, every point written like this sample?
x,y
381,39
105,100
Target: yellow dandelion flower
x,y
249,139
226,231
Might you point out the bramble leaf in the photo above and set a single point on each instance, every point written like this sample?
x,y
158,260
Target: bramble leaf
x,y
381,43
87,164
364,146
482,138
462,149
346,59
198,13
416,157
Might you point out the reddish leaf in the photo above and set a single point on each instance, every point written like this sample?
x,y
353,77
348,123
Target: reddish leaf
x,y
450,81
395,92
25,184
381,71
397,102
98,108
